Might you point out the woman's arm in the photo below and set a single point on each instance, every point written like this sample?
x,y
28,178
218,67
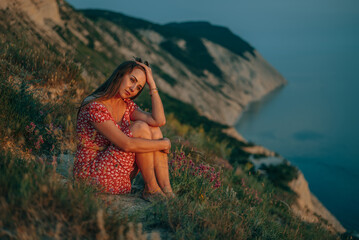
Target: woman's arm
x,y
128,144
157,117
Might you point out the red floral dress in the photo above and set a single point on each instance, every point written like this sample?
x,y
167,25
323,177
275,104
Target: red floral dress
x,y
97,158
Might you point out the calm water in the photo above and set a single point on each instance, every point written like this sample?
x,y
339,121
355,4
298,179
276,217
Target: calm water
x,y
313,121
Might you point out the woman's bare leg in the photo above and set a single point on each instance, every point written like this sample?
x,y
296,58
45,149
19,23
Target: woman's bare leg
x,y
161,163
145,161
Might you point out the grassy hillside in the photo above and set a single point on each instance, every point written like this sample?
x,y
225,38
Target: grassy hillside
x,y
41,88
36,202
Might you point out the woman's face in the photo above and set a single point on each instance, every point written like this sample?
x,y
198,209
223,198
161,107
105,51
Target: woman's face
x,y
132,83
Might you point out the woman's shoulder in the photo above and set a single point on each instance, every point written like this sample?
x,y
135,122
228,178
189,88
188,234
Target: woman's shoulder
x,y
93,105
97,112
96,104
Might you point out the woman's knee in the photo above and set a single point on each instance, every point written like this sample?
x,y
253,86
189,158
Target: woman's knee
x,y
141,129
156,133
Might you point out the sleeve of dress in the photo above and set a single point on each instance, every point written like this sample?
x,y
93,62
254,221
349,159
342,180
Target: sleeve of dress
x,y
132,107
98,113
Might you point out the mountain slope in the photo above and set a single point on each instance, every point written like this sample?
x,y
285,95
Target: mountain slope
x,y
219,76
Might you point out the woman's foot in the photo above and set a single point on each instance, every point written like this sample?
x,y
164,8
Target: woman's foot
x,y
170,195
168,192
154,195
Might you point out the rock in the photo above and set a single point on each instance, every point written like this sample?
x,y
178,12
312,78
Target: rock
x,y
232,132
39,11
257,149
44,15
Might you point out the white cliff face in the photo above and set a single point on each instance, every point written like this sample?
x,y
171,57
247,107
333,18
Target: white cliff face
x,y
221,100
39,11
245,80
43,15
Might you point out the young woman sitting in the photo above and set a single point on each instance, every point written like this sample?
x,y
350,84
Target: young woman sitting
x,y
117,139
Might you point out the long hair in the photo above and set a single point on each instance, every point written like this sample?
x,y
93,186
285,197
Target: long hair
x,y
111,86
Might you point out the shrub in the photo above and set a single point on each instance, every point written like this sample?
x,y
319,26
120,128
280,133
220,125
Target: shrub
x,y
281,174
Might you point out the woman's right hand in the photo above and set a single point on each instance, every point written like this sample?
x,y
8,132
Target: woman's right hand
x,y
150,81
168,146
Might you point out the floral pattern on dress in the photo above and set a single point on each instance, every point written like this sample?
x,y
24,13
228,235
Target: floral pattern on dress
x,y
97,159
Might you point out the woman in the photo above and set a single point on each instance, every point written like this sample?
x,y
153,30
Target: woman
x,y
111,149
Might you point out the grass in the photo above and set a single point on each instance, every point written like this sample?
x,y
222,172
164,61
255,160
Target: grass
x,y
215,203
37,66
33,117
36,203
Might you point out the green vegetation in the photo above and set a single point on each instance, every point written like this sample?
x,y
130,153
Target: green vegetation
x,y
195,56
36,203
170,80
281,174
227,206
33,116
37,124
220,35
92,60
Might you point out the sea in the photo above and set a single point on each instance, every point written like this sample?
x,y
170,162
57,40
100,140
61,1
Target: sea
x,y
313,121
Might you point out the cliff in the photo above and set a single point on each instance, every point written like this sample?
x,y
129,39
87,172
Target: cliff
x,y
307,206
218,77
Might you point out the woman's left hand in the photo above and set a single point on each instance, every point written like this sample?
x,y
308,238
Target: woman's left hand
x,y
150,81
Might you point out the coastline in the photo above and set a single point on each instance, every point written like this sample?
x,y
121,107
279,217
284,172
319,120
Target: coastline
x,y
307,207
260,124
257,104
